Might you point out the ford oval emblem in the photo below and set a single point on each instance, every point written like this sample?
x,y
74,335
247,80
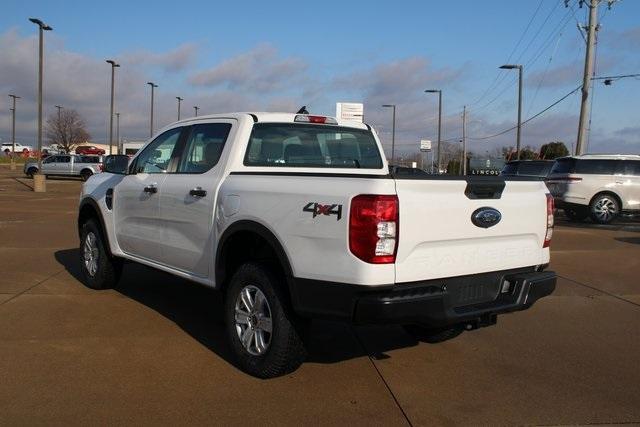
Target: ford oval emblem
x,y
485,217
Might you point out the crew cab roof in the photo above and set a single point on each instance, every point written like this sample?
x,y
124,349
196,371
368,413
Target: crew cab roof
x,y
265,117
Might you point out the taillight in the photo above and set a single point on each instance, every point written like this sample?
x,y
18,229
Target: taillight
x,y
550,208
373,228
305,118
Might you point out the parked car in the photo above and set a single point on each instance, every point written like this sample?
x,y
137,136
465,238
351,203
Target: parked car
x,y
297,217
7,147
67,165
89,149
531,168
596,185
52,149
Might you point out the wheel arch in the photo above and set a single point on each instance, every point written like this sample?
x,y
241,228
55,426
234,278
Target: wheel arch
x,y
240,233
609,192
89,209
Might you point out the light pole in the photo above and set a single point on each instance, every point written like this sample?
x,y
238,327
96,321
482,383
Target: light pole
x,y
519,68
13,131
39,182
153,86
179,101
118,132
439,92
196,108
59,108
113,72
393,131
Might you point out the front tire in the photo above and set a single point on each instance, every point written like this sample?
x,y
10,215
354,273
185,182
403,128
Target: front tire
x,y
99,269
604,208
31,172
260,326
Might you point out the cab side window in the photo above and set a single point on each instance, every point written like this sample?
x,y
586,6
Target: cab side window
x,y
157,156
204,147
632,167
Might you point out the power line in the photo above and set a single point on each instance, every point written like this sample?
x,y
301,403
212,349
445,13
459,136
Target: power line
x,y
503,75
544,74
535,13
530,118
611,79
558,29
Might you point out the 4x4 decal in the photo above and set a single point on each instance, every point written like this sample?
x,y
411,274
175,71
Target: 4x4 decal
x,y
320,209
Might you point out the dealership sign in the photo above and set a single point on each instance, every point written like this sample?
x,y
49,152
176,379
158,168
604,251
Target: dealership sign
x,y
350,111
425,145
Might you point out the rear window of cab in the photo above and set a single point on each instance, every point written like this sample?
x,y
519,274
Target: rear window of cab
x,y
312,146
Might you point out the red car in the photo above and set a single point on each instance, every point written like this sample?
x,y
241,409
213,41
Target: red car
x,y
89,149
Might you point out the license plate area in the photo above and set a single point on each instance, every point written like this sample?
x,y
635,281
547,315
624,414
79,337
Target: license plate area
x,y
475,289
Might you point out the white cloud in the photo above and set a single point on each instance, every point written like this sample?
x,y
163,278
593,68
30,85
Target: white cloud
x,y
258,70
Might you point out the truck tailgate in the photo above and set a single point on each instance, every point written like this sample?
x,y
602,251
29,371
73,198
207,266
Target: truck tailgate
x,y
438,239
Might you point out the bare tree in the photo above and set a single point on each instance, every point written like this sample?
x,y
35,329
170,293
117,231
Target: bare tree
x,y
67,130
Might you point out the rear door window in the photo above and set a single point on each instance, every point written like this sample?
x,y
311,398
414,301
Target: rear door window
x,y
596,167
204,147
632,167
312,146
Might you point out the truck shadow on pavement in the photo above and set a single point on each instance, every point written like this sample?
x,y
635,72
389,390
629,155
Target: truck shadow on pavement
x,y
197,310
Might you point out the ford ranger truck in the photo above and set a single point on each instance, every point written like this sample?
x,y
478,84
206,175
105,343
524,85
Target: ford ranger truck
x,y
296,216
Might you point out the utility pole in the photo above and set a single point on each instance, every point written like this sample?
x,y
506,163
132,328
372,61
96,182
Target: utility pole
x,y
153,86
113,72
592,28
196,108
179,101
439,92
464,140
39,179
118,133
13,131
519,68
586,78
59,108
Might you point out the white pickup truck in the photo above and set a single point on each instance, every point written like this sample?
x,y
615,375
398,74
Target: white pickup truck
x,y
295,217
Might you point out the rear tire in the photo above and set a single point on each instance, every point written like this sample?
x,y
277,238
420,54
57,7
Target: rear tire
x,y
576,214
433,335
260,326
99,269
604,208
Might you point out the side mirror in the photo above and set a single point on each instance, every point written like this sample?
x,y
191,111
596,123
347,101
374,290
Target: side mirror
x,y
117,163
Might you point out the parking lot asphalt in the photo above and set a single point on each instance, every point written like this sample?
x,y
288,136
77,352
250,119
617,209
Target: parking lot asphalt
x,y
153,351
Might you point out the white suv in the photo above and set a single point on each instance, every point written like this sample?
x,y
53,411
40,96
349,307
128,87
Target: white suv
x,y
602,186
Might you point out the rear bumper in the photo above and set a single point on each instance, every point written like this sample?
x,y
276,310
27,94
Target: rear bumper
x,y
475,299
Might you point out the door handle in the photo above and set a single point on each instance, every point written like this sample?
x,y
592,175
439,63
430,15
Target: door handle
x,y
198,192
619,182
152,189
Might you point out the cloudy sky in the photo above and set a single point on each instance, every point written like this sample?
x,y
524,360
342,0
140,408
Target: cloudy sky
x,y
277,56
